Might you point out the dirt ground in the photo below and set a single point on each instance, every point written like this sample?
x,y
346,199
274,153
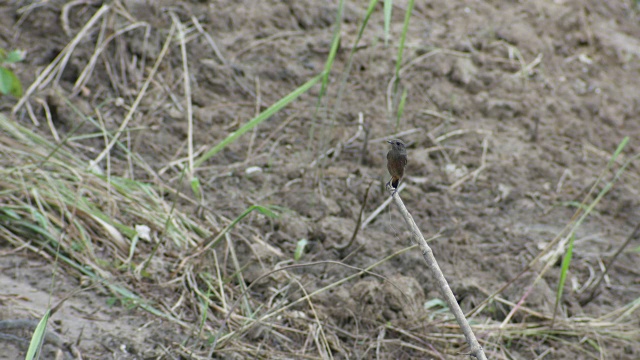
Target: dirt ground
x,y
512,112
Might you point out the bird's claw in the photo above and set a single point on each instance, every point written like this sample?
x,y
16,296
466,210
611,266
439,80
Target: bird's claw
x,y
395,190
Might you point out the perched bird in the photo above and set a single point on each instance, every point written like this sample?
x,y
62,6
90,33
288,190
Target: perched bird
x,y
396,161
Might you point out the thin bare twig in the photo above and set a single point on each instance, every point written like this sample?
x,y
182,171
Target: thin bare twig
x,y
445,290
342,247
138,99
596,285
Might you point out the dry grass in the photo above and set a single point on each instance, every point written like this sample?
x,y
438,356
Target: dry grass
x,y
57,208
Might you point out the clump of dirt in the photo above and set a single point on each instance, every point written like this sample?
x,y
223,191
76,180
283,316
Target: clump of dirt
x,y
512,112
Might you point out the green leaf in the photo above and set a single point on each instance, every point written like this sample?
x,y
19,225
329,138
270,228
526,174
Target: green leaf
x,y
14,57
435,303
9,83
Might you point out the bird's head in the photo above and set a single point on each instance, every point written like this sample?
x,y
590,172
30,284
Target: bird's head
x,y
397,145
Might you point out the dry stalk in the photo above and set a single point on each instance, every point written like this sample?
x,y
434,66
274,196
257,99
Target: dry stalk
x,y
138,99
58,64
594,288
445,290
187,88
342,247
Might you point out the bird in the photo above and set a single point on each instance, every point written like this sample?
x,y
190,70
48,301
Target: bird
x,y
396,162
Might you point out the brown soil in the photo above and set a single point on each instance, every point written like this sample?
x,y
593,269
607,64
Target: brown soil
x,y
532,96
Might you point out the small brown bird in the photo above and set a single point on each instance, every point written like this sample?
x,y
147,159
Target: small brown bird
x,y
396,161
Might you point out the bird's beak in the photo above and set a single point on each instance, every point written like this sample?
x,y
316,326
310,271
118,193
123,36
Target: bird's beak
x,y
390,141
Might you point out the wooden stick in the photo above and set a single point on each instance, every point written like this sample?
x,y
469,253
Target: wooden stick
x,y
445,290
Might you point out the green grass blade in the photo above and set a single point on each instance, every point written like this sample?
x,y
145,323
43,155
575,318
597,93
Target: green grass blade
x,y
609,185
261,209
566,261
196,187
388,9
335,45
403,100
132,247
365,21
204,311
345,75
258,119
38,338
403,38
615,155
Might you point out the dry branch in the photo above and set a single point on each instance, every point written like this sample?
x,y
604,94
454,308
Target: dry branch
x,y
445,290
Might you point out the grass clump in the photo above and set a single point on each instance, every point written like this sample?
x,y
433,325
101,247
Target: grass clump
x,y
54,206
